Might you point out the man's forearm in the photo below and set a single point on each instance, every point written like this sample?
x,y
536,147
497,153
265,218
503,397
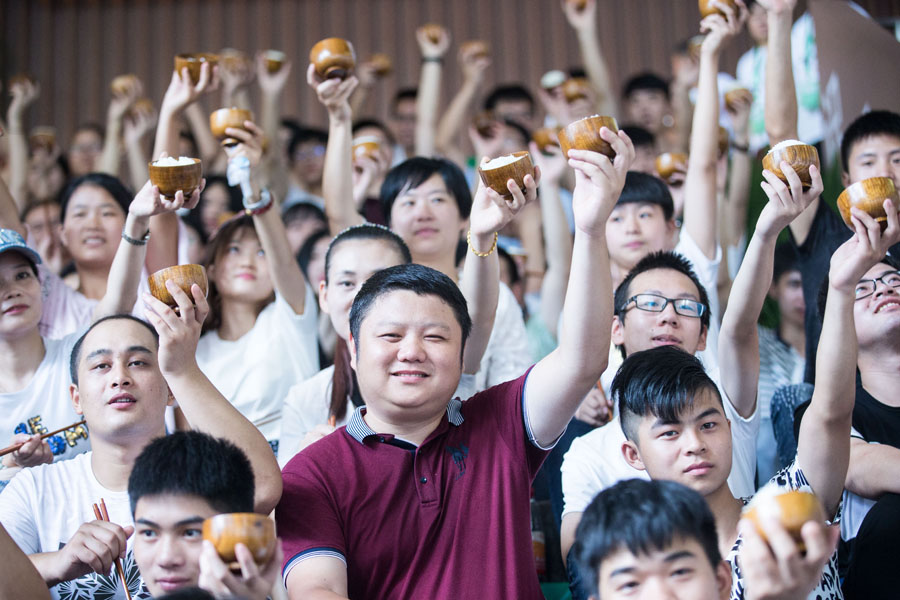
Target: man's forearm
x,y
781,94
874,469
337,177
480,284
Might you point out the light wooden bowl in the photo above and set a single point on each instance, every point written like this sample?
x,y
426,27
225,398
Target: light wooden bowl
x,y
706,7
669,163
496,177
793,509
585,135
868,196
42,137
275,59
333,58
193,62
222,119
737,95
433,31
578,4
183,275
234,60
382,63
226,531
179,177
546,137
483,122
478,48
365,147
575,88
121,84
798,155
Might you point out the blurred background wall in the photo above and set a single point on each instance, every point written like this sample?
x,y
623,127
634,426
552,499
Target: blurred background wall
x,y
75,47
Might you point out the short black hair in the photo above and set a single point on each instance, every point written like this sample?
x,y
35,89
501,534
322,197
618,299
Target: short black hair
x,y
641,516
786,259
659,260
519,129
306,134
418,279
508,92
822,295
876,122
413,172
662,382
640,137
641,188
301,211
645,81
304,254
120,193
367,231
191,463
76,349
408,93
374,124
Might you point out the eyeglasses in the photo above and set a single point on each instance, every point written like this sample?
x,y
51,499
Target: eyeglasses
x,y
866,287
656,303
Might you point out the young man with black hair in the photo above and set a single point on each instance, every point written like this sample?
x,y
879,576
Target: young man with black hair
x,y
402,519
176,483
403,122
513,102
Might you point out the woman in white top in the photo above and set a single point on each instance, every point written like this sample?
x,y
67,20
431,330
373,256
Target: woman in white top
x,y
326,400
260,336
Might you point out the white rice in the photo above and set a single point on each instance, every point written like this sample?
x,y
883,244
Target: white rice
x,y
171,161
501,161
785,144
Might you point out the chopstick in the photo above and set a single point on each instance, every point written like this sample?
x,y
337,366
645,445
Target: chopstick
x,y
15,447
101,514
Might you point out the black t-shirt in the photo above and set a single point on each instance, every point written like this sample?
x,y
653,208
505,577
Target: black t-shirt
x,y
826,234
876,422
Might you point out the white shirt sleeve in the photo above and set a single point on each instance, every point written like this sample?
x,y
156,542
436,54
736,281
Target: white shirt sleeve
x,y
17,512
507,356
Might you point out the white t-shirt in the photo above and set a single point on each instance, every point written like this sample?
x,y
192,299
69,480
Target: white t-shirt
x,y
508,355
45,405
594,461
256,371
306,406
44,506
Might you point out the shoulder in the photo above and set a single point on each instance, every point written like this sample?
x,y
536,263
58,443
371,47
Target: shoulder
x,y
311,391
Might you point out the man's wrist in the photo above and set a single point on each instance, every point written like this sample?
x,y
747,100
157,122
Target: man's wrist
x,y
136,227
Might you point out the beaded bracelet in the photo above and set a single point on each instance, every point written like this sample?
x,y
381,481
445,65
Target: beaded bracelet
x,y
136,242
476,252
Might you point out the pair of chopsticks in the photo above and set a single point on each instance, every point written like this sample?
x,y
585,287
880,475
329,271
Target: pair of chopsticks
x,y
15,447
102,515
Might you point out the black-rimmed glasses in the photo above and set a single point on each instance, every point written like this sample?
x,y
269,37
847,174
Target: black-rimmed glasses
x,y
656,303
866,287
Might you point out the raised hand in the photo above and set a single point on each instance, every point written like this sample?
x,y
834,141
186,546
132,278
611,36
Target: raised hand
x,y
599,181
251,143
785,204
491,212
120,103
862,251
719,29
473,64
253,583
24,92
432,49
551,162
595,409
178,332
138,124
334,94
580,19
271,83
182,91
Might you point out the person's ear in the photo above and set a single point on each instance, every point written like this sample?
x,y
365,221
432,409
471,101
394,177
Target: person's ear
x,y
618,331
351,346
633,455
845,178
76,399
671,226
323,297
723,580
701,343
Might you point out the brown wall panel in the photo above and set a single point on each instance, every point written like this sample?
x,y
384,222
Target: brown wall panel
x,y
75,47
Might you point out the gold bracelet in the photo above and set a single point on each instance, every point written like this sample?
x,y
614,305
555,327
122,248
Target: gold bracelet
x,y
476,252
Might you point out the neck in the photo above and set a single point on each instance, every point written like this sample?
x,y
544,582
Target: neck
x,y
880,373
618,274
412,431
19,359
92,281
727,511
794,334
443,263
238,317
111,461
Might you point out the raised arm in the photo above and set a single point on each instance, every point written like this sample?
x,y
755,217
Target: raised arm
x,y
9,213
137,125
734,221
24,93
781,93
272,86
111,158
453,122
559,382
429,95
337,176
823,446
203,406
584,22
738,338
700,215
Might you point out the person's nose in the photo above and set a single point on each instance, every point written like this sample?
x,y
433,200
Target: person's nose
x,y
694,442
411,349
120,375
169,553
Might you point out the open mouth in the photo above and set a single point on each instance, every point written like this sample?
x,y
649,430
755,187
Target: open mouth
x,y
889,303
122,399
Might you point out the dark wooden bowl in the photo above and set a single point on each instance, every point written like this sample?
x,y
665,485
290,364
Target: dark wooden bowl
x,y
275,59
584,134
183,275
799,156
669,163
193,62
222,119
180,177
496,178
226,531
706,7
333,58
868,196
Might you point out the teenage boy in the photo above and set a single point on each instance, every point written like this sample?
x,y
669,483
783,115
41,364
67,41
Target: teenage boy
x,y
177,482
400,518
657,539
124,374
673,418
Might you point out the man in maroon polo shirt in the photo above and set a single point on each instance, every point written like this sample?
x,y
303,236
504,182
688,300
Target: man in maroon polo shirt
x,y
421,495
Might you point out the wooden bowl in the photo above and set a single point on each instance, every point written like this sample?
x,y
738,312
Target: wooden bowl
x,y
513,166
724,141
797,154
275,59
382,64
793,509
193,62
224,118
868,196
578,4
546,137
42,137
737,95
333,58
141,105
233,59
179,177
477,48
575,88
433,32
484,122
226,531
585,135
706,7
365,147
669,163
20,78
183,275
122,84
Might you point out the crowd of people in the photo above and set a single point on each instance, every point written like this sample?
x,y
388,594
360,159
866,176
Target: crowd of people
x,y
398,362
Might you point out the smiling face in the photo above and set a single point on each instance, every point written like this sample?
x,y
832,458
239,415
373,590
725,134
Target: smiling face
x,y
121,391
168,539
352,263
20,296
874,156
679,572
409,357
694,449
877,316
92,226
428,220
240,271
638,329
634,230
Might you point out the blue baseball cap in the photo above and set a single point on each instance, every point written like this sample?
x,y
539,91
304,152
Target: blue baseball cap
x,y
11,240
